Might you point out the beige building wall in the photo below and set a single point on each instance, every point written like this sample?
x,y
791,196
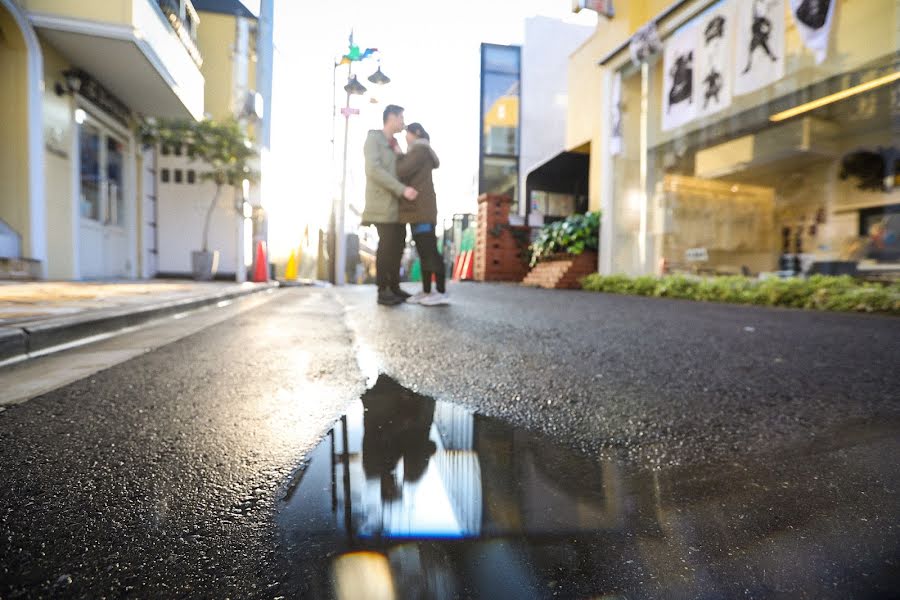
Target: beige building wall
x,y
588,103
60,153
14,197
216,38
102,11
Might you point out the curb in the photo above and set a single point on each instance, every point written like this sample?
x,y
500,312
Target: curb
x,y
40,336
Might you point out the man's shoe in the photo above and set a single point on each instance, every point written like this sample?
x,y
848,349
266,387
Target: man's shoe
x,y
436,299
399,292
417,298
388,298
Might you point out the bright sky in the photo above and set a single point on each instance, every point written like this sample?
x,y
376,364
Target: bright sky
x,y
429,49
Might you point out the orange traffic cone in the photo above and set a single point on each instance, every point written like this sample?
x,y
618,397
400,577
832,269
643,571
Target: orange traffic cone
x,y
456,263
468,268
261,268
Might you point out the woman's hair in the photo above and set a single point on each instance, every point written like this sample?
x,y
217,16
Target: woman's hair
x,y
417,130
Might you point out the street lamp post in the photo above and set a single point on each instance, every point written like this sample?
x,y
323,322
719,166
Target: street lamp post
x,y
353,88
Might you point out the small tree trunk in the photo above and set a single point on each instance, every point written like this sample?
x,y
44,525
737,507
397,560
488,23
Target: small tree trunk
x,y
209,214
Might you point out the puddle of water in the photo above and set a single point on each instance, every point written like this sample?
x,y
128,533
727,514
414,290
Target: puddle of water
x,y
411,498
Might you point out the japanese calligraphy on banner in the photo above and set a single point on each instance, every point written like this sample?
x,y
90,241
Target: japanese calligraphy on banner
x,y
679,90
713,66
813,18
616,125
759,44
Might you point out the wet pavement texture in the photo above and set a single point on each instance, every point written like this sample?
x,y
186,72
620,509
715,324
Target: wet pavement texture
x,y
157,478
725,451
655,381
407,497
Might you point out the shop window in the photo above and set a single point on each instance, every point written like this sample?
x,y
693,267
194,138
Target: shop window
x,y
879,229
165,175
179,176
741,172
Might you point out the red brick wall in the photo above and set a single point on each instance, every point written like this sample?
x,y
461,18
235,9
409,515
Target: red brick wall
x,y
499,255
563,272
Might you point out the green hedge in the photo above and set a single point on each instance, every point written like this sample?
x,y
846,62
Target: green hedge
x,y
818,292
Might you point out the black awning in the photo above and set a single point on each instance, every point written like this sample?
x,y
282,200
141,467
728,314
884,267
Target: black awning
x,y
565,173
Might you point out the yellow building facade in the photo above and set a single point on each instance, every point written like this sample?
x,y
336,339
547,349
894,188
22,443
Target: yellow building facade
x,y
754,138
79,74
82,198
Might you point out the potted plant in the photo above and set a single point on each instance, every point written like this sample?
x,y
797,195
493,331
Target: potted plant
x,y
227,155
573,236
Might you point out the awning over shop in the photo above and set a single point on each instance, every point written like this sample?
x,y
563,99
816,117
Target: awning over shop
x,y
566,173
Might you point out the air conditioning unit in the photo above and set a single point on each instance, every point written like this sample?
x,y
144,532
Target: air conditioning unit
x,y
793,144
254,105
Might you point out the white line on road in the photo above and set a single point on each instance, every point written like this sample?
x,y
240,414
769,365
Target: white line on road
x,y
42,372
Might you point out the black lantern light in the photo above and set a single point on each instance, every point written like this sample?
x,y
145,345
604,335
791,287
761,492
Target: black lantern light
x,y
354,87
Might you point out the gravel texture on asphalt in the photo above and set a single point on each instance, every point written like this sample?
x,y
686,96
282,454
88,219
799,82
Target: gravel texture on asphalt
x,y
159,477
654,381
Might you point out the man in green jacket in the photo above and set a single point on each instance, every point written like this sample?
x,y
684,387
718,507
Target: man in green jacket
x,y
383,193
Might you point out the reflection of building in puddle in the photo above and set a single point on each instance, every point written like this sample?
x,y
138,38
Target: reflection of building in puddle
x,y
449,504
415,473
419,469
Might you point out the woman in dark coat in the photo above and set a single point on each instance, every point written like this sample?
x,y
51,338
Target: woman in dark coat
x,y
414,169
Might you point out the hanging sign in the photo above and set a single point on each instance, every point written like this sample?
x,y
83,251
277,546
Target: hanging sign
x,y
813,18
679,103
759,44
616,136
715,48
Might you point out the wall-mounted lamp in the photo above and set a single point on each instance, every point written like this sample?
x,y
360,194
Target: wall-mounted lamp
x,y
72,83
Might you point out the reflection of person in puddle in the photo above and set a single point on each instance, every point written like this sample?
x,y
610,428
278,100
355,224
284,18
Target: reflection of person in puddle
x,y
396,425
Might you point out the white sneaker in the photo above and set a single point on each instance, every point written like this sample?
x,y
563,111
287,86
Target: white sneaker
x,y
417,298
435,299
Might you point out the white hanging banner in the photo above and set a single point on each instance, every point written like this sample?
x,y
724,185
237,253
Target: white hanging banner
x,y
616,131
715,51
679,103
813,18
760,48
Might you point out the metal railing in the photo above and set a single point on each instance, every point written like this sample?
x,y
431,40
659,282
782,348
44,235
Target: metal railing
x,y
184,19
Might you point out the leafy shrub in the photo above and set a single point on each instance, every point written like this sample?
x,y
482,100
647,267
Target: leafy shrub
x,y
573,235
819,292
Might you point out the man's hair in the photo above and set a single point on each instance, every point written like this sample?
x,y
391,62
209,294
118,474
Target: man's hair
x,y
417,130
391,109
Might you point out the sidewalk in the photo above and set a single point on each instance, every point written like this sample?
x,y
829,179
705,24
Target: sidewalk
x,y
36,316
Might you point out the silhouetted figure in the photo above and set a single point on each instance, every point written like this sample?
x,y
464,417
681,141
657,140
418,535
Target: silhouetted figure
x,y
397,423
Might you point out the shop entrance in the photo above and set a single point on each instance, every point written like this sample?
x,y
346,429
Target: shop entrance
x,y
102,199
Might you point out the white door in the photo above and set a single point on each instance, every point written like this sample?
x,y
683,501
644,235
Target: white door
x,y
104,248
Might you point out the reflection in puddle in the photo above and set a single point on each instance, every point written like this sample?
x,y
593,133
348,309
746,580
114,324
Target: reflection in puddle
x,y
411,498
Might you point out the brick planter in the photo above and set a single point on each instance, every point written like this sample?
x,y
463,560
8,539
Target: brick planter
x,y
500,249
562,271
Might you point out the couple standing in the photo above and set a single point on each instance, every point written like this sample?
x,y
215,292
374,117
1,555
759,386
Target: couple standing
x,y
400,190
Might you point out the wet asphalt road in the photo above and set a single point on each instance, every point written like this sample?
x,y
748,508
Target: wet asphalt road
x,y
160,477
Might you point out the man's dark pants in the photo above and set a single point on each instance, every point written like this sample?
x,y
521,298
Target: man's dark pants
x,y
391,241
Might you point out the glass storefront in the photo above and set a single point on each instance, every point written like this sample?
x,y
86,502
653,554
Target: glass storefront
x,y
742,152
500,79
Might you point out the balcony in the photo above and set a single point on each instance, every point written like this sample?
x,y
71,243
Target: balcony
x,y
134,48
184,20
